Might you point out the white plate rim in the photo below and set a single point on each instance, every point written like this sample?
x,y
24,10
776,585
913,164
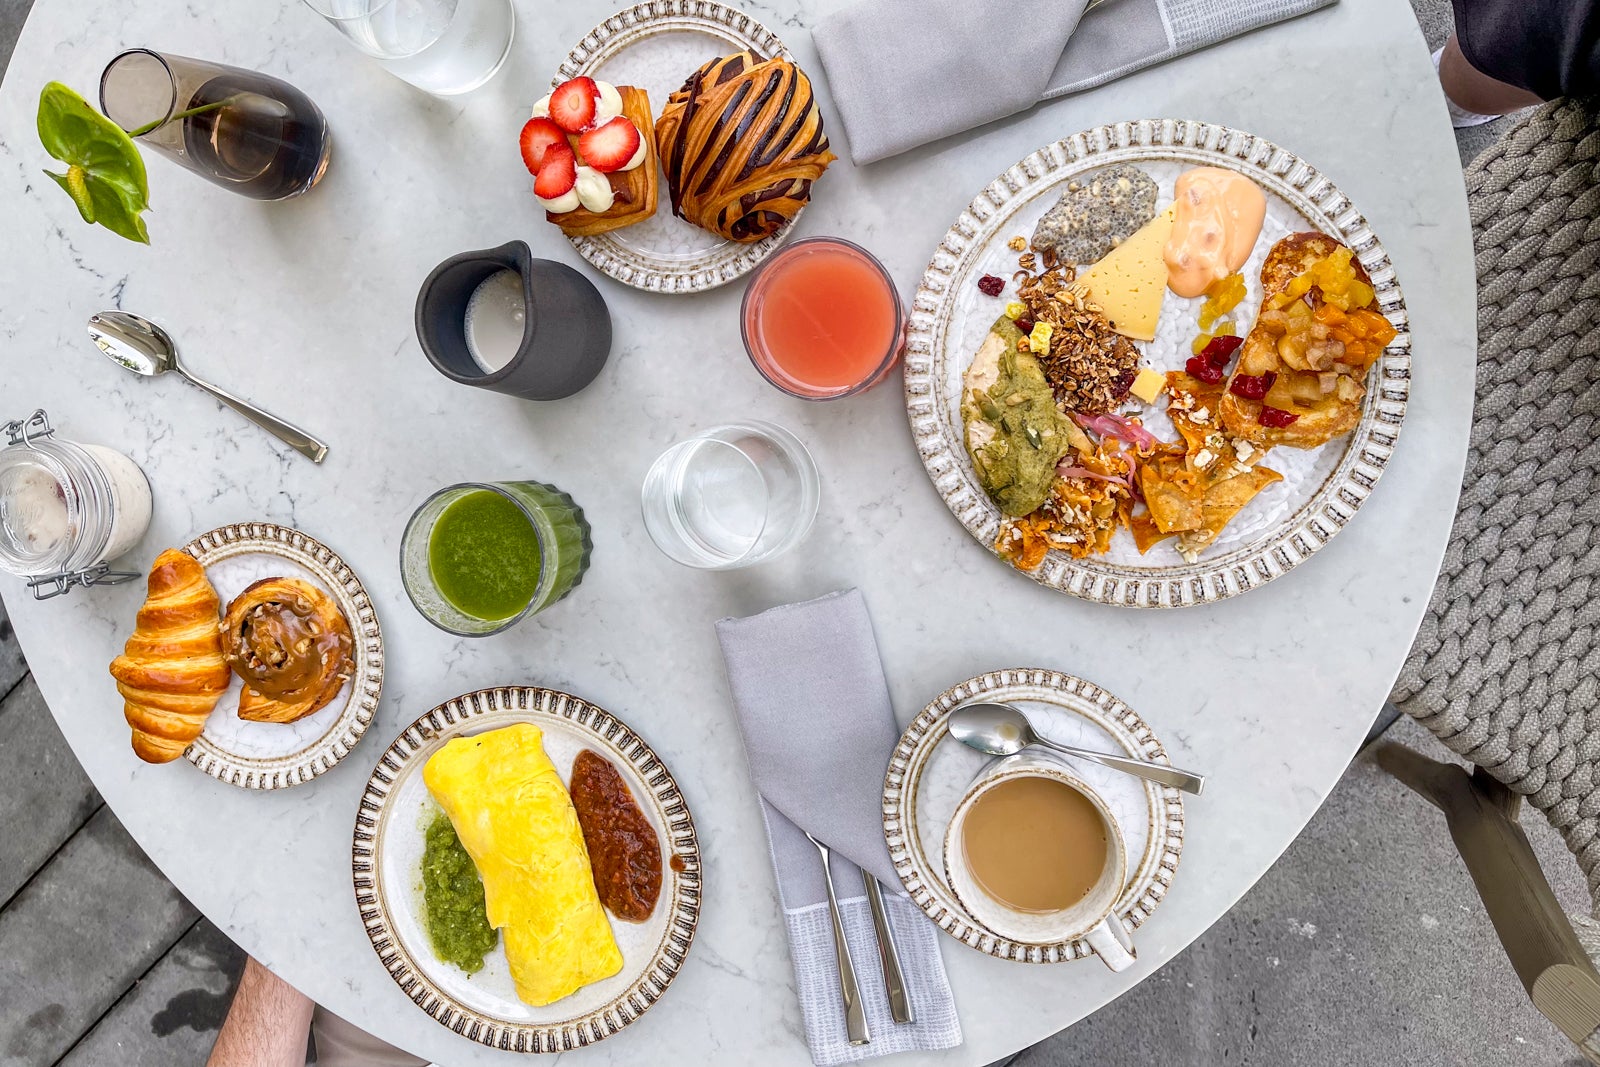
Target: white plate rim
x,y
730,259
1150,875
366,684
505,705
1367,449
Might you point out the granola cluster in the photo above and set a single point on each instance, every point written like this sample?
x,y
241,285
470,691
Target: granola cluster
x,y
1090,365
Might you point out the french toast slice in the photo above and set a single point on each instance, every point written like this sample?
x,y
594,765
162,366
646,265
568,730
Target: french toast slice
x,y
635,190
1320,421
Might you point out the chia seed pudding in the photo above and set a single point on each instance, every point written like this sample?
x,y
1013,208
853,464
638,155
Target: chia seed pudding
x,y
1096,213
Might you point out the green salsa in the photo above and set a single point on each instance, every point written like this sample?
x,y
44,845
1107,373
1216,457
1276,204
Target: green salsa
x,y
484,556
458,924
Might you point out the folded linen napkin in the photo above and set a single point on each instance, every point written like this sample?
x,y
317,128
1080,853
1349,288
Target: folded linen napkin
x,y
906,72
818,730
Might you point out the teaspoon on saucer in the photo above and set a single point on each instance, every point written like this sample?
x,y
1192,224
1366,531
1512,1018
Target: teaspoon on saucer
x,y
1003,730
141,346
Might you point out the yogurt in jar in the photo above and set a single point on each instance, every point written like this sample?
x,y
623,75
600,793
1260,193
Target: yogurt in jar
x,y
65,507
131,502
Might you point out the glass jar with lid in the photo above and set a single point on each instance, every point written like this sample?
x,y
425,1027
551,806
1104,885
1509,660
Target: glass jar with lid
x,y
67,510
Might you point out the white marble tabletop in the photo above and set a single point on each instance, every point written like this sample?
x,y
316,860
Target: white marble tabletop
x,y
306,308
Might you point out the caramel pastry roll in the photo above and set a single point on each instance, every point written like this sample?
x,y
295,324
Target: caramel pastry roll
x,y
290,644
741,143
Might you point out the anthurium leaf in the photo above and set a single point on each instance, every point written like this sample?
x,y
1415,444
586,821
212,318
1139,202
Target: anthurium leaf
x,y
118,212
105,173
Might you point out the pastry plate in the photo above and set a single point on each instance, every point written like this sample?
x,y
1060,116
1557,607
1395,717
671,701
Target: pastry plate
x,y
268,755
930,771
656,46
387,857
1321,489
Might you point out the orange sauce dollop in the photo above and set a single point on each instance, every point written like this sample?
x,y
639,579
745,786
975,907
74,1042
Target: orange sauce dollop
x,y
1219,216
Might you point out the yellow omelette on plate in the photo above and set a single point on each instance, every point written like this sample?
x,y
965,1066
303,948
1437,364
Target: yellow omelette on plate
x,y
516,820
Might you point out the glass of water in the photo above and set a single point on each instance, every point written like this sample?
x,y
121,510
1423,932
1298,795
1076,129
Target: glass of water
x,y
444,47
730,497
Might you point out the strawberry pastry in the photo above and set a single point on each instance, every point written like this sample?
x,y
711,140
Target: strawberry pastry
x,y
592,166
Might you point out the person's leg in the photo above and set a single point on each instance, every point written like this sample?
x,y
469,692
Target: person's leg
x,y
267,1023
1473,91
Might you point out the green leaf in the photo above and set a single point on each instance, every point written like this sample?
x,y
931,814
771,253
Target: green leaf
x,y
105,173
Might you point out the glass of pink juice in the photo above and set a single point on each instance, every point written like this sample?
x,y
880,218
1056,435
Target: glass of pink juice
x,y
822,319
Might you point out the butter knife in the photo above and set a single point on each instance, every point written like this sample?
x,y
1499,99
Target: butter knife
x,y
894,979
855,1013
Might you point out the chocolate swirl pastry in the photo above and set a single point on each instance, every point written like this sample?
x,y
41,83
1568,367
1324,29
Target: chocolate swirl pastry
x,y
290,644
741,143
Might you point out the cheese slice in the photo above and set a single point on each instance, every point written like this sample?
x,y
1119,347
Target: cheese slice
x,y
1130,282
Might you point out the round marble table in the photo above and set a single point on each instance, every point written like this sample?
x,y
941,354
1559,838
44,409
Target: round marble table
x,y
306,307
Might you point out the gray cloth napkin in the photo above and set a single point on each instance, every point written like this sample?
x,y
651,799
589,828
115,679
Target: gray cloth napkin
x,y
818,729
906,72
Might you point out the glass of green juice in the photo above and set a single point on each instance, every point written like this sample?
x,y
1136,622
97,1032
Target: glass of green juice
x,y
479,557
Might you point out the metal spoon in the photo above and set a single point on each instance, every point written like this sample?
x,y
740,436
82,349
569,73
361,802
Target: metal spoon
x,y
145,348
1003,730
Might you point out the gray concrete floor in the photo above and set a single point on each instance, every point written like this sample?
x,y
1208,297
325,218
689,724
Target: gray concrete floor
x,y
1364,945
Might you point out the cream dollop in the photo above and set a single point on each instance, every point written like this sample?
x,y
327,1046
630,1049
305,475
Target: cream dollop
x,y
610,104
594,190
1218,218
567,201
638,153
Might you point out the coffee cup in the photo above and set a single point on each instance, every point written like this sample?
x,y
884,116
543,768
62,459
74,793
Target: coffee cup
x,y
1036,856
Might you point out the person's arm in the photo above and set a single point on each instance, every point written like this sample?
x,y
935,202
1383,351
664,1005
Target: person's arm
x,y
267,1024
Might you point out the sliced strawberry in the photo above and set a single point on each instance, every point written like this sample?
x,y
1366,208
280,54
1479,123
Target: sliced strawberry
x,y
573,104
559,173
610,147
537,136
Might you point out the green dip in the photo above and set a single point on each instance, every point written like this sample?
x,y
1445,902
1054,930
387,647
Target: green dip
x,y
484,557
458,924
1015,433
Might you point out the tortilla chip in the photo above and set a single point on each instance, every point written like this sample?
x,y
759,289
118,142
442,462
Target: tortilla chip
x,y
1225,499
1172,492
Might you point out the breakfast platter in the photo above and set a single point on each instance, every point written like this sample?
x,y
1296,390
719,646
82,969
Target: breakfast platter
x,y
1246,499
278,690
927,779
510,767
656,51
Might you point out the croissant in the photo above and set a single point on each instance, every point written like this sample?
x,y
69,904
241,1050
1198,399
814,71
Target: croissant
x,y
741,143
291,645
171,672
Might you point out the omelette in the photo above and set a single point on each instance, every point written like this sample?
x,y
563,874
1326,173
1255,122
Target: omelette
x,y
516,820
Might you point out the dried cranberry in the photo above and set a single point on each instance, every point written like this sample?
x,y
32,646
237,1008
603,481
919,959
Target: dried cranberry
x,y
1025,324
1250,386
1220,349
1206,372
1277,418
1122,383
989,285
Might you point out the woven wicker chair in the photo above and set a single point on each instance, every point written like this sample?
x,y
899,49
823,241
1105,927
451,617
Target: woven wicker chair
x,y
1506,668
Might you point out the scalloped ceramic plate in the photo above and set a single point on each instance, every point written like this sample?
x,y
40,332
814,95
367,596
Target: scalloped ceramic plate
x,y
1287,522
387,856
656,46
929,772
267,755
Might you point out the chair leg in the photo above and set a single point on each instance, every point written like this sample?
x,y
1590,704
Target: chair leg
x,y
1482,816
